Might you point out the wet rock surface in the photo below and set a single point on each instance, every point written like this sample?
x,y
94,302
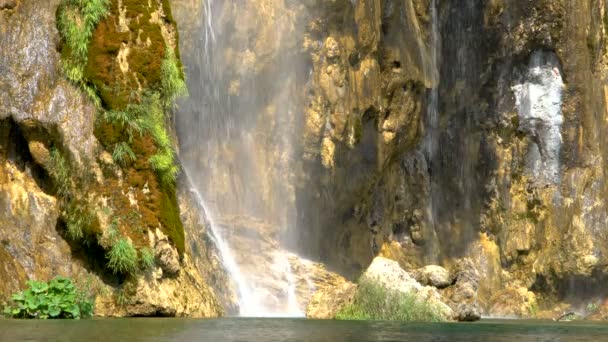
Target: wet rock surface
x,y
433,275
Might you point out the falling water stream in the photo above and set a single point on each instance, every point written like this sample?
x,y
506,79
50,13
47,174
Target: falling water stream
x,y
236,152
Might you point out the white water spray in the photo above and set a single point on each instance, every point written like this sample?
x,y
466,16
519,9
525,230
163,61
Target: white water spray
x,y
247,303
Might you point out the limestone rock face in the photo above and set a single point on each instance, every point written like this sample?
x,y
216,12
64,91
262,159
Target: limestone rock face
x,y
327,302
166,255
463,295
182,295
389,274
433,275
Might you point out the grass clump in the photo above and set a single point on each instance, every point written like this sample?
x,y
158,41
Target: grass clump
x,y
375,302
152,115
122,257
146,258
77,217
123,153
59,170
57,299
76,21
172,79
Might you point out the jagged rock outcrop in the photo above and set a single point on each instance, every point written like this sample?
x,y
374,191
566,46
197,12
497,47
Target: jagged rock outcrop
x,y
456,302
432,275
327,302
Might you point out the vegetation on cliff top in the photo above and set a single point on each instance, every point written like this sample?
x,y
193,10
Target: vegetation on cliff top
x,y
375,302
58,298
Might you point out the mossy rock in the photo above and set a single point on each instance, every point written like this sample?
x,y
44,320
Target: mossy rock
x,y
124,62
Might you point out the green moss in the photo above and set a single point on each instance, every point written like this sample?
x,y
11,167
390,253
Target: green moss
x,y
375,302
169,217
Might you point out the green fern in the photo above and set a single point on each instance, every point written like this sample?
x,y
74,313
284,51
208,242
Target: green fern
x,y
123,153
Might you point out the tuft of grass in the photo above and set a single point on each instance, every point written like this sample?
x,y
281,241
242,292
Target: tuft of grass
x,y
123,153
78,216
151,115
59,171
76,21
375,302
172,79
124,120
122,257
146,258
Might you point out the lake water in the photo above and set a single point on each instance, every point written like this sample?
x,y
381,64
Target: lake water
x,y
242,330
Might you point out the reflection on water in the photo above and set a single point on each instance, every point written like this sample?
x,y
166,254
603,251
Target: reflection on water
x,y
241,330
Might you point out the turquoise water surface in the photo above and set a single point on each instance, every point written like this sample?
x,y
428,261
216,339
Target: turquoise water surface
x,y
253,329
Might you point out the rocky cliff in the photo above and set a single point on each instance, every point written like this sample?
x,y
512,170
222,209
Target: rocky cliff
x,y
427,131
81,194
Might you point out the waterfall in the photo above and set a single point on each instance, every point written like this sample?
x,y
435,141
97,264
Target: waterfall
x,y
431,66
246,300
235,146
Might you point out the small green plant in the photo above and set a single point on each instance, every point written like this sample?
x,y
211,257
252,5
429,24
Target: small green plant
x,y
146,258
78,216
152,115
172,80
125,120
60,172
533,310
123,153
375,302
122,257
76,21
57,299
592,307
125,295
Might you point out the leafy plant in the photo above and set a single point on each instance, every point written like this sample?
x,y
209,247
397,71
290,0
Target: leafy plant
x,y
172,80
60,172
57,299
78,216
76,21
122,257
146,258
152,115
375,302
